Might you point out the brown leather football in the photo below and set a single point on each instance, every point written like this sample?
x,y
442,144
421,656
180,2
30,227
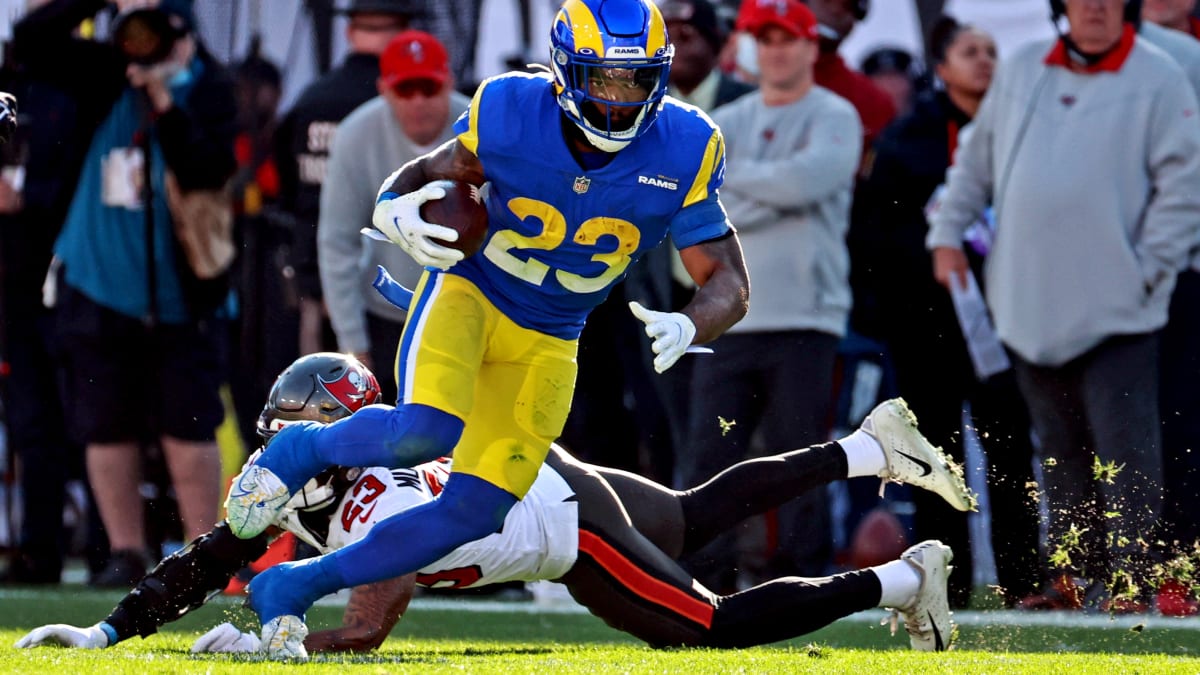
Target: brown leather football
x,y
879,538
461,210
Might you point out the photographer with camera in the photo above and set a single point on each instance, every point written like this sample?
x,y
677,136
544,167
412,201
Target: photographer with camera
x,y
144,254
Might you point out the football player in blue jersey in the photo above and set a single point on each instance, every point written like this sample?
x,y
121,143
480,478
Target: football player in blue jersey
x,y
610,537
587,167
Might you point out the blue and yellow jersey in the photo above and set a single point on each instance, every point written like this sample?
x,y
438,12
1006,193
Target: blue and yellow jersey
x,y
560,236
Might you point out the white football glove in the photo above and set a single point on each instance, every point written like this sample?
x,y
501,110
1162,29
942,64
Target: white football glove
x,y
399,219
283,638
226,639
62,635
672,333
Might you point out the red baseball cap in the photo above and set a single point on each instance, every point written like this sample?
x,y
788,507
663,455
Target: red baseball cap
x,y
414,55
790,15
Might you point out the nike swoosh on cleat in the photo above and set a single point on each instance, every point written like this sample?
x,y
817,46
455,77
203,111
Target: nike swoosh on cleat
x,y
919,462
938,645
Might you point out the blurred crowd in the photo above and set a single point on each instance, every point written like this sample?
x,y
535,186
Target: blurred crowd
x,y
1011,242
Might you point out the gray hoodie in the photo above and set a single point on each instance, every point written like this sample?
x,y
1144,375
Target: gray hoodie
x,y
1185,49
789,172
368,146
1094,181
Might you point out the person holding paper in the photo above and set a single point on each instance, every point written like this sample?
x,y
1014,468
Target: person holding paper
x,y
917,320
1088,148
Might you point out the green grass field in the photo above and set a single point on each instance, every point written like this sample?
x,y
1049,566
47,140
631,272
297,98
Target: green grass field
x,y
444,636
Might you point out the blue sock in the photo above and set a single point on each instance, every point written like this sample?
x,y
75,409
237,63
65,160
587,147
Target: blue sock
x,y
374,436
469,508
292,587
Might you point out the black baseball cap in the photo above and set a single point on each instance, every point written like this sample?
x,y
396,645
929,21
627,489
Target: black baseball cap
x,y
700,14
146,35
409,8
887,60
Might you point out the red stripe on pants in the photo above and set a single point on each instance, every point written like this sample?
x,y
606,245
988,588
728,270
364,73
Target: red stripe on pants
x,y
641,583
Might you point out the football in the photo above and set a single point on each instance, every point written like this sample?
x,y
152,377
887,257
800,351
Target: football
x,y
461,210
879,538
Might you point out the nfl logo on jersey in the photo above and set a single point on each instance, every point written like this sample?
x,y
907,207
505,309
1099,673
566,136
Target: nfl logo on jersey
x,y
581,184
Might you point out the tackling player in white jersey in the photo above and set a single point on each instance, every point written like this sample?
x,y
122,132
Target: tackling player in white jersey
x,y
610,536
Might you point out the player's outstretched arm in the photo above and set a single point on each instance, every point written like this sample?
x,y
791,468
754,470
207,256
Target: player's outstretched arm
x,y
63,635
183,581
179,583
722,300
723,296
371,613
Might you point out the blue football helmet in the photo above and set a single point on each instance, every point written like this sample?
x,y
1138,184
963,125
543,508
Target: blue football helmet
x,y
610,60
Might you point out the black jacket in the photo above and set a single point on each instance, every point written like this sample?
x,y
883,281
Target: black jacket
x,y
196,135
909,161
730,89
302,150
50,143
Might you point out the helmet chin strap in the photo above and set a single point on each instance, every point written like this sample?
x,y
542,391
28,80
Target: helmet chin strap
x,y
580,139
603,144
312,496
591,138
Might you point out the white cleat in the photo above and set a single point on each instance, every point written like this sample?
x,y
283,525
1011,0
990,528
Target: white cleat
x,y
255,500
911,458
283,638
927,619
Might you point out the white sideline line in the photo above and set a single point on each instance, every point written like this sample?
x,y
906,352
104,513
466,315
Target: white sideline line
x,y
972,618
1000,618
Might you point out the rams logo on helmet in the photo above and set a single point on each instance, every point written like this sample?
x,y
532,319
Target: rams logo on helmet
x,y
610,60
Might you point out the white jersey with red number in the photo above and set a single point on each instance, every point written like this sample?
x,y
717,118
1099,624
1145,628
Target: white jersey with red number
x,y
539,539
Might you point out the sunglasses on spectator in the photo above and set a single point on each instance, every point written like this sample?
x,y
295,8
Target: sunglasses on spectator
x,y
417,87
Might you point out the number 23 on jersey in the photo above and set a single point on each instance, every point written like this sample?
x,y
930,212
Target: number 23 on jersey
x,y
554,232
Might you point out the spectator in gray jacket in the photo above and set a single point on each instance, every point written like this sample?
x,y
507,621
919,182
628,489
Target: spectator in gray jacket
x,y
305,136
413,113
792,151
1090,234
1179,397
1178,15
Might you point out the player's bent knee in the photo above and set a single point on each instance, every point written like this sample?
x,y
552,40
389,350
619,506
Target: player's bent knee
x,y
424,434
474,506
